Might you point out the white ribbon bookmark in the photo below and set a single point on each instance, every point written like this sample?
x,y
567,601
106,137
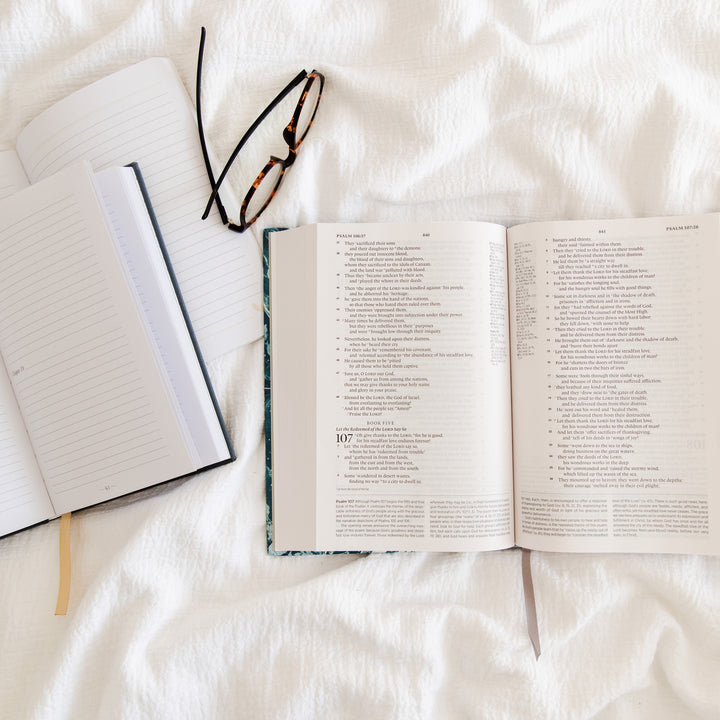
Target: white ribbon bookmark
x,y
530,608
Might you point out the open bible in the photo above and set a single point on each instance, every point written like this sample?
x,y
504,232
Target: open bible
x,y
462,386
143,114
102,387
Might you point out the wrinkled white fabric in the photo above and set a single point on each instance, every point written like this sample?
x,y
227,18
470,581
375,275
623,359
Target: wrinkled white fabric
x,y
490,110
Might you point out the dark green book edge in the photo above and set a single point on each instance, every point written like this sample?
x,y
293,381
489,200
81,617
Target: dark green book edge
x,y
268,403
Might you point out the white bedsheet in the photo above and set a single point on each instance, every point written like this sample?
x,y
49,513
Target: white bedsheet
x,y
505,111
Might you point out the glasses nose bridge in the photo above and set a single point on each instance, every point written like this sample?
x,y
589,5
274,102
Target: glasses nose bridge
x,y
289,160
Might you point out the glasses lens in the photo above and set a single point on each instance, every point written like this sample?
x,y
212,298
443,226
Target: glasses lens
x,y
309,108
264,189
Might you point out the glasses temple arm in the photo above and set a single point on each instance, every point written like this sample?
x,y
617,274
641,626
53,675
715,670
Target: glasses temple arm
x,y
216,185
201,131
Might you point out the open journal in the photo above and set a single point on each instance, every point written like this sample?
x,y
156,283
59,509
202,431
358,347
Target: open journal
x,y
143,114
463,386
102,389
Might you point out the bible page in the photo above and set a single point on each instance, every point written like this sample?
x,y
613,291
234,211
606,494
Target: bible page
x,y
616,399
143,114
413,411
82,369
292,278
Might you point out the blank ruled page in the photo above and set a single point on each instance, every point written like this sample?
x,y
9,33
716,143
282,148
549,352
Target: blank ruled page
x,y
12,175
82,369
147,272
143,114
23,498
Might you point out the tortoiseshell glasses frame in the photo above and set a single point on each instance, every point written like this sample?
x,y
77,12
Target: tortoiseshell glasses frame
x,y
272,174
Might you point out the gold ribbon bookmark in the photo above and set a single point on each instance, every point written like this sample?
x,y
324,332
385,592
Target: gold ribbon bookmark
x,y
64,584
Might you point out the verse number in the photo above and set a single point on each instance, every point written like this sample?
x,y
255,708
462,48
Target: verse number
x,y
343,438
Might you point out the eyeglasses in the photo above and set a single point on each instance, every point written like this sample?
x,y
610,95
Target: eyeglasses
x,y
266,184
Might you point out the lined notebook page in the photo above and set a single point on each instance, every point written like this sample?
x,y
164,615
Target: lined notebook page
x,y
148,274
12,175
23,498
143,114
91,395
